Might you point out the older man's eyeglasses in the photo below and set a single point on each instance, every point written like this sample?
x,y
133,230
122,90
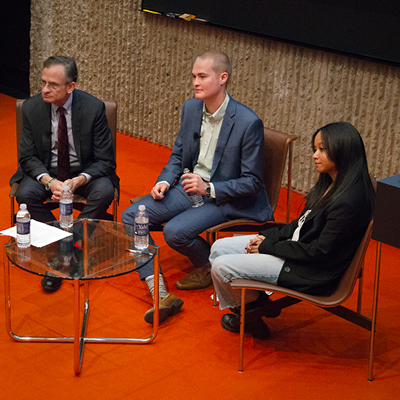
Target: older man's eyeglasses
x,y
53,85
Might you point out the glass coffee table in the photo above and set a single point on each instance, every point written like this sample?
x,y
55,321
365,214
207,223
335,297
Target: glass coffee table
x,y
97,250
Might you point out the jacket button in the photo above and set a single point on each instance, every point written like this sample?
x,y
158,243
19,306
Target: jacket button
x,y
286,269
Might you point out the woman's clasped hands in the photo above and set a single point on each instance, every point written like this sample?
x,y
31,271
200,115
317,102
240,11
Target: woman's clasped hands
x,y
252,246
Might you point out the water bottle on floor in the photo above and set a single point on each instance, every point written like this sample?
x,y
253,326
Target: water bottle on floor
x,y
66,206
23,227
195,199
141,228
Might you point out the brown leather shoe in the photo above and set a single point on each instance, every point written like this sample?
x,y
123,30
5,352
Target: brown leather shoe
x,y
200,278
169,306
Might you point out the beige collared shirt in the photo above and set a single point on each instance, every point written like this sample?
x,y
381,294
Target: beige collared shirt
x,y
210,129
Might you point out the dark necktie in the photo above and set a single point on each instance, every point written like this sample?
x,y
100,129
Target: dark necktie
x,y
63,151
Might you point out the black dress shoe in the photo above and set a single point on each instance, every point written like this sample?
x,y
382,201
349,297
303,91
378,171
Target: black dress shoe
x,y
51,284
261,307
257,328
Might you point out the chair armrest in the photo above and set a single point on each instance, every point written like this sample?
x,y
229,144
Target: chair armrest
x,y
229,224
244,225
13,189
116,195
136,199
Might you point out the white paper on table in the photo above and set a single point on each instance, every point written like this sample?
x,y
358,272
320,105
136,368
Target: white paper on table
x,y
41,234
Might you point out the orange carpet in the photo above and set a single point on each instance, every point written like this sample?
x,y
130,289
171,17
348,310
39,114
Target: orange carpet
x,y
311,355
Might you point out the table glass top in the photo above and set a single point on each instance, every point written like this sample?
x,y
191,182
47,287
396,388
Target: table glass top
x,y
97,249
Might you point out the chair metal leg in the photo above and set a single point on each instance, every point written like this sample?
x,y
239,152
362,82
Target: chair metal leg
x,y
115,214
242,322
215,301
360,290
7,298
289,183
211,238
374,309
78,339
12,212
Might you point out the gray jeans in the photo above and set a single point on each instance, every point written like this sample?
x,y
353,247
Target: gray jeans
x,y
229,261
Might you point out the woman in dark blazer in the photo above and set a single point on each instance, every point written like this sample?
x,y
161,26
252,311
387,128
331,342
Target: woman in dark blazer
x,y
311,253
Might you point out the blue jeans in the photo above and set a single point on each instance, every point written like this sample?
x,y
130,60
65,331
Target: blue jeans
x,y
229,261
183,225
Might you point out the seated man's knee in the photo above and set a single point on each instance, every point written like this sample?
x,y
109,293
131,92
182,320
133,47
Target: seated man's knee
x,y
176,235
22,196
101,192
171,235
28,194
154,210
128,215
108,195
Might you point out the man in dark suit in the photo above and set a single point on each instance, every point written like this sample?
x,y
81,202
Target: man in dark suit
x,y
221,141
90,168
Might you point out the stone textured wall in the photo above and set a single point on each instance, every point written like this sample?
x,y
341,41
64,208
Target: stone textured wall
x,y
144,62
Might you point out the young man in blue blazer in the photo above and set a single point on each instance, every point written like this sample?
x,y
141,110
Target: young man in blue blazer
x,y
221,141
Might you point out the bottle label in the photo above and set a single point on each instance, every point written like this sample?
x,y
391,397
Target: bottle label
x,y
66,208
141,229
23,228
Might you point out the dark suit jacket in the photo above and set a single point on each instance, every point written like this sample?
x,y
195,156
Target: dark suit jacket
x,y
327,243
91,134
238,160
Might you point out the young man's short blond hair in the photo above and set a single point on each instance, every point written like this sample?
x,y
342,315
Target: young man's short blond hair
x,y
221,62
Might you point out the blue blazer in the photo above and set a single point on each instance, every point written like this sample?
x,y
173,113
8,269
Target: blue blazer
x,y
91,134
237,169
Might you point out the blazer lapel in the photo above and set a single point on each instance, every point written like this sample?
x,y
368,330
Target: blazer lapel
x,y
195,139
315,211
76,117
44,126
226,129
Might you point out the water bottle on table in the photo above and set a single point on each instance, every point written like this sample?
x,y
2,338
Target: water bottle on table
x,y
195,199
23,227
141,228
66,208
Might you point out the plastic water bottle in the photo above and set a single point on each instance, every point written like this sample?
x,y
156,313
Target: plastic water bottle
x,y
195,199
141,228
23,227
66,206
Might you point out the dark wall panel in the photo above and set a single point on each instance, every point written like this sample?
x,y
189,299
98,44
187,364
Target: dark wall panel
x,y
14,47
362,28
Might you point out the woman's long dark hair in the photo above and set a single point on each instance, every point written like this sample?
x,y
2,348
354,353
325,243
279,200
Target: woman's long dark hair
x,y
344,146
